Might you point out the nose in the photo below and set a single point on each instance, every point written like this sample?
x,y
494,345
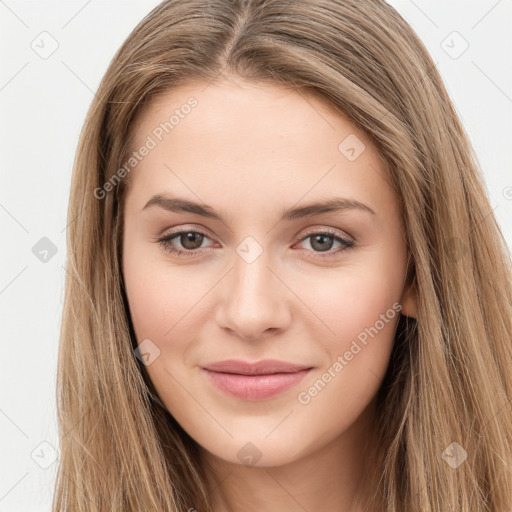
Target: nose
x,y
253,300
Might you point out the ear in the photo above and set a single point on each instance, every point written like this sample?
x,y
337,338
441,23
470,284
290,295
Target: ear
x,y
409,300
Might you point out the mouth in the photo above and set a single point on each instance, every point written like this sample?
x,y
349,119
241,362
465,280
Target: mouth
x,y
263,367
255,387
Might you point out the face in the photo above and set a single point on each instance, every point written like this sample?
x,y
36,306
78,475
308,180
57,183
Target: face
x,y
225,257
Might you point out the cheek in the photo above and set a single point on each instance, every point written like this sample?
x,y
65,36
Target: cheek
x,y
358,354
360,306
162,301
354,301
165,307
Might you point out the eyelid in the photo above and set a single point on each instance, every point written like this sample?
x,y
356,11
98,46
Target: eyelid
x,y
331,231
186,228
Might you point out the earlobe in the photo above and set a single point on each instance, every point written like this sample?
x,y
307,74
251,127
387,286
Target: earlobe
x,y
409,301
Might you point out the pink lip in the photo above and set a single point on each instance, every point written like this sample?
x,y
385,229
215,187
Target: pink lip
x,y
255,381
263,367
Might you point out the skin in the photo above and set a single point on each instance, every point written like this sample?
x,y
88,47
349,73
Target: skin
x,y
250,151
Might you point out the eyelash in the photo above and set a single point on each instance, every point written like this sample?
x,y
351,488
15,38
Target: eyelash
x,y
165,243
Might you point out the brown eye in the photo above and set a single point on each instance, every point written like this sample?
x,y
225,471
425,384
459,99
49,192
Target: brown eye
x,y
190,241
323,241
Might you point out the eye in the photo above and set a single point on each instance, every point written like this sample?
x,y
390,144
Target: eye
x,y
190,241
322,242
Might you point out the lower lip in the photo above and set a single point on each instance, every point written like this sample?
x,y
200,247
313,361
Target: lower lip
x,y
255,387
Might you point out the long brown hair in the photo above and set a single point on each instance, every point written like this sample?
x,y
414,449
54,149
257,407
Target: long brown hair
x,y
450,376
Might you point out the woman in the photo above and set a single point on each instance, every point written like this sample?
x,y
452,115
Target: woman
x,y
287,288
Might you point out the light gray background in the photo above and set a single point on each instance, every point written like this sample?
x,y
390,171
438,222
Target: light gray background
x,y
43,102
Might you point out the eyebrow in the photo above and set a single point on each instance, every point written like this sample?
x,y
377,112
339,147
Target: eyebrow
x,y
335,204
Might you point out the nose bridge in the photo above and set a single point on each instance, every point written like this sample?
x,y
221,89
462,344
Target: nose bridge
x,y
253,300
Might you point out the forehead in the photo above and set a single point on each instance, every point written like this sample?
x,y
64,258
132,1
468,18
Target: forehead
x,y
253,143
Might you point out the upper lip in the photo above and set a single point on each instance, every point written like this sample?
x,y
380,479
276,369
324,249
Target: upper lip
x,y
263,367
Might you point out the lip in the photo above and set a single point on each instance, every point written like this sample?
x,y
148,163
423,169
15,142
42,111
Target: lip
x,y
255,381
263,367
